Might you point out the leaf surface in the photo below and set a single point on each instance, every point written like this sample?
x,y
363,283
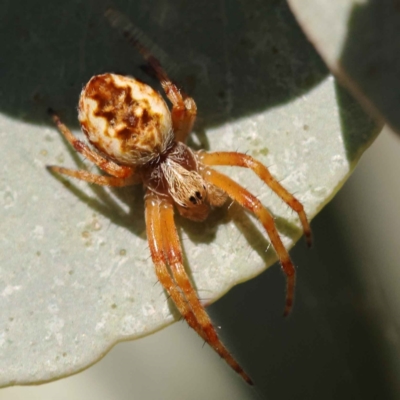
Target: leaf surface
x,y
75,272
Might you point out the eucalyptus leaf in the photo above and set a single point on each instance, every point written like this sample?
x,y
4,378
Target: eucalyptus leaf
x,y
75,272
359,42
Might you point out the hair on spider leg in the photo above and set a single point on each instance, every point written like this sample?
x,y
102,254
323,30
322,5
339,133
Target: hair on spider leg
x,y
149,256
283,179
231,203
268,247
168,296
295,192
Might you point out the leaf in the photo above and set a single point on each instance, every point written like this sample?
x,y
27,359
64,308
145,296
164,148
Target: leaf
x,y
76,276
360,47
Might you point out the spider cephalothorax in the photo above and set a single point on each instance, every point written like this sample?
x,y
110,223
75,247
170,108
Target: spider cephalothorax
x,y
137,139
177,175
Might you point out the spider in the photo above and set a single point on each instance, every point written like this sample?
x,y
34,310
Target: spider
x,y
136,139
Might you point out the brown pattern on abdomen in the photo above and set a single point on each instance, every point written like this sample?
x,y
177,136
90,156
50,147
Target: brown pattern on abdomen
x,y
130,123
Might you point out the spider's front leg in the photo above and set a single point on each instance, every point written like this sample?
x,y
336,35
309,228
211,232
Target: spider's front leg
x,y
166,249
155,238
243,160
251,203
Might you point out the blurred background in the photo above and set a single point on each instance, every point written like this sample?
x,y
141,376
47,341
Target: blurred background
x,y
341,341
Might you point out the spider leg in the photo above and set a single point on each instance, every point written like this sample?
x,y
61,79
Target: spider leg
x,y
106,165
173,251
94,178
251,203
246,161
184,109
155,239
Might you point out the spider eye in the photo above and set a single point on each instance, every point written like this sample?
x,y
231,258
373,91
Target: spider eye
x,y
193,199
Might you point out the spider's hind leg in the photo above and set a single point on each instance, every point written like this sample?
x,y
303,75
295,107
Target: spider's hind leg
x,y
251,203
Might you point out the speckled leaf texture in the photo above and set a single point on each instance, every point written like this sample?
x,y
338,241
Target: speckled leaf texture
x,y
75,272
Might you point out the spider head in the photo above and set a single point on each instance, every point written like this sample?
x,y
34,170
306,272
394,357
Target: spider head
x,y
188,190
125,119
195,207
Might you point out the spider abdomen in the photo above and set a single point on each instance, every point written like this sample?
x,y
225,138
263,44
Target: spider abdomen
x,y
125,119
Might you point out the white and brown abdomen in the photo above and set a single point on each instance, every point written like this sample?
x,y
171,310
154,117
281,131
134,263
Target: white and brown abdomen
x,y
125,119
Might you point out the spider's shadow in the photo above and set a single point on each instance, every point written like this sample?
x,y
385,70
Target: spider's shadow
x,y
103,203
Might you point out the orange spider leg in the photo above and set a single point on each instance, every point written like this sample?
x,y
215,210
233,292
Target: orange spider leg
x,y
94,178
155,239
106,165
250,202
243,160
184,109
173,251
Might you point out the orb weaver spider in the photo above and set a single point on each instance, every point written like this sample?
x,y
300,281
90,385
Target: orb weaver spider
x,y
136,139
